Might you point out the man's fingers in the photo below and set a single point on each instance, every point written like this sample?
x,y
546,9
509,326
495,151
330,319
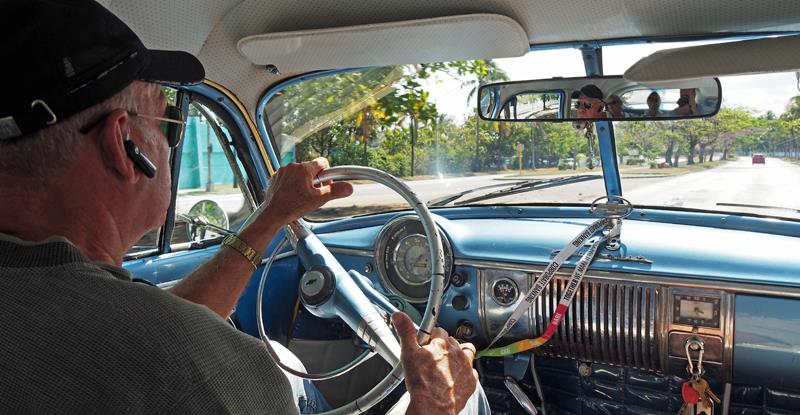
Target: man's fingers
x,y
340,189
406,331
440,333
469,350
319,163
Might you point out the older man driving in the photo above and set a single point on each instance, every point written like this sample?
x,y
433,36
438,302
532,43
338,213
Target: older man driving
x,y
84,173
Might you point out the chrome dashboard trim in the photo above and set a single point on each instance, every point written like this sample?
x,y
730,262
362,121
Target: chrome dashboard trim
x,y
688,282
334,250
639,310
353,252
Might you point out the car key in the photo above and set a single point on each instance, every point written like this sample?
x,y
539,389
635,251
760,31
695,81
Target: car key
x,y
691,397
705,392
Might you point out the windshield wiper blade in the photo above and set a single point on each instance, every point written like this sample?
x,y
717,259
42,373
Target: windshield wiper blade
x,y
455,196
745,205
516,187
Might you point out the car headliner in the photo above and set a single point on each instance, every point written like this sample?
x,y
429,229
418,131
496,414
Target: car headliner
x,y
211,28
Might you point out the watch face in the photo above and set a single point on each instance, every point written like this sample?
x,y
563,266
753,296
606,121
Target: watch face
x,y
504,291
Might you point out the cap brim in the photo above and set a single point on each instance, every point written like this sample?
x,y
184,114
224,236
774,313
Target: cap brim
x,y
173,67
576,94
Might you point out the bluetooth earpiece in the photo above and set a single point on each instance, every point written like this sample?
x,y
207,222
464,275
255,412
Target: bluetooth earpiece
x,y
139,158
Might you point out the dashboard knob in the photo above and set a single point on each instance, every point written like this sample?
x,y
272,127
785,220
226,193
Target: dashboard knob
x,y
465,330
460,302
458,279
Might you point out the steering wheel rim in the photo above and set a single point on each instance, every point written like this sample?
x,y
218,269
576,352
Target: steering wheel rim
x,y
435,251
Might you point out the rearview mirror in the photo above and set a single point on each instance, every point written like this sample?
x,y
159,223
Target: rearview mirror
x,y
598,98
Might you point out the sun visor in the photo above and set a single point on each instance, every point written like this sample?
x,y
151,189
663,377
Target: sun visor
x,y
440,39
775,54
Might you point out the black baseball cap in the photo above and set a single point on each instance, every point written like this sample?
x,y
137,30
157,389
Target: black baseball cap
x,y
63,56
590,90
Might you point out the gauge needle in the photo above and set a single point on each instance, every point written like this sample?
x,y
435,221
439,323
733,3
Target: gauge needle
x,y
698,311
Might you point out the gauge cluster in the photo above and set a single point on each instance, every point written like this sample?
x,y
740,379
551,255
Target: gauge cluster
x,y
403,258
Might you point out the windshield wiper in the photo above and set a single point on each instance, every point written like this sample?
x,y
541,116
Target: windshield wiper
x,y
516,187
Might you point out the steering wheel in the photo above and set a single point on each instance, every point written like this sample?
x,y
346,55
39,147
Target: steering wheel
x,y
327,290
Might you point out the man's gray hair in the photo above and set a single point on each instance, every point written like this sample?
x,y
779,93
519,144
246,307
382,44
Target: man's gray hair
x,y
37,154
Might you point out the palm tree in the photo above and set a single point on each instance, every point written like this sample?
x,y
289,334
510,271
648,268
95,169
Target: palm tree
x,y
485,72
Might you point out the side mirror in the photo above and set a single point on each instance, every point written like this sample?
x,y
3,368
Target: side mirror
x,y
598,98
206,216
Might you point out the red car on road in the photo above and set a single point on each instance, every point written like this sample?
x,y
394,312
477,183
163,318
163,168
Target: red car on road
x,y
758,158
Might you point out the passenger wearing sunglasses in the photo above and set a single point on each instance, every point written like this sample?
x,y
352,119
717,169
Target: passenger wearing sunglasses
x,y
589,102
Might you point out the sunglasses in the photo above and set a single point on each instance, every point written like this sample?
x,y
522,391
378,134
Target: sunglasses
x,y
172,124
586,105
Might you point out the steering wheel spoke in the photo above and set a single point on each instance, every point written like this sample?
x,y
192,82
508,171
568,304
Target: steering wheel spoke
x,y
327,290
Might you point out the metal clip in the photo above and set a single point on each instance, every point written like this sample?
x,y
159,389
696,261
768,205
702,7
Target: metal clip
x,y
615,207
695,343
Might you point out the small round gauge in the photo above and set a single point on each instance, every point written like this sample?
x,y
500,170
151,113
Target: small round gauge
x,y
403,259
411,260
504,291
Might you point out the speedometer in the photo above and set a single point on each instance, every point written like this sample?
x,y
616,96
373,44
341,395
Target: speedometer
x,y
403,258
411,259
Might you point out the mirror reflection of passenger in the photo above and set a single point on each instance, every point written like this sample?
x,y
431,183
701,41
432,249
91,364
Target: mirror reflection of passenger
x,y
589,102
686,103
614,104
653,105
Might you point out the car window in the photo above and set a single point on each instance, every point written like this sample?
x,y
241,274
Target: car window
x,y
209,171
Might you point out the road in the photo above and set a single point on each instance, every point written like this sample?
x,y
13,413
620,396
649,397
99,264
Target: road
x,y
738,181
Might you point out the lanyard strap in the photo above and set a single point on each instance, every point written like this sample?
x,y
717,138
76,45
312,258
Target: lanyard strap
x,y
541,283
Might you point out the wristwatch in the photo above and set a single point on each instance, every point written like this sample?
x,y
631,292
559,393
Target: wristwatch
x,y
243,248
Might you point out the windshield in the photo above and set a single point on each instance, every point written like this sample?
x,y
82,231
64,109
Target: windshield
x,y
744,159
419,123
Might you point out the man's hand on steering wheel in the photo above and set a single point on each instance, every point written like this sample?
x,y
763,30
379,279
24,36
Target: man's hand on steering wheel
x,y
438,375
292,194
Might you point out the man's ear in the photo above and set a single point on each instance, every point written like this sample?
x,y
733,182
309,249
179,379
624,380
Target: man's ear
x,y
111,136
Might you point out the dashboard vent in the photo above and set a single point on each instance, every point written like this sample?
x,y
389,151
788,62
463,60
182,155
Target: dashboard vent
x,y
607,322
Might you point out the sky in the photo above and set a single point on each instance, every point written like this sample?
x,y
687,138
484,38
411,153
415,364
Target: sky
x,y
762,93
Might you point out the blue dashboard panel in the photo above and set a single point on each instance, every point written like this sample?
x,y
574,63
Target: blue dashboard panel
x,y
766,341
169,267
675,249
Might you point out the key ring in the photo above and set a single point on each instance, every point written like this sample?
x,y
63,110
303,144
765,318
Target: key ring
x,y
698,343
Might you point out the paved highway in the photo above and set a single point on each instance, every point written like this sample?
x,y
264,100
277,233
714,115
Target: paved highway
x,y
737,182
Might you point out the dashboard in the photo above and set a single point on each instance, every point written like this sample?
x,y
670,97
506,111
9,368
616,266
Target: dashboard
x,y
735,292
